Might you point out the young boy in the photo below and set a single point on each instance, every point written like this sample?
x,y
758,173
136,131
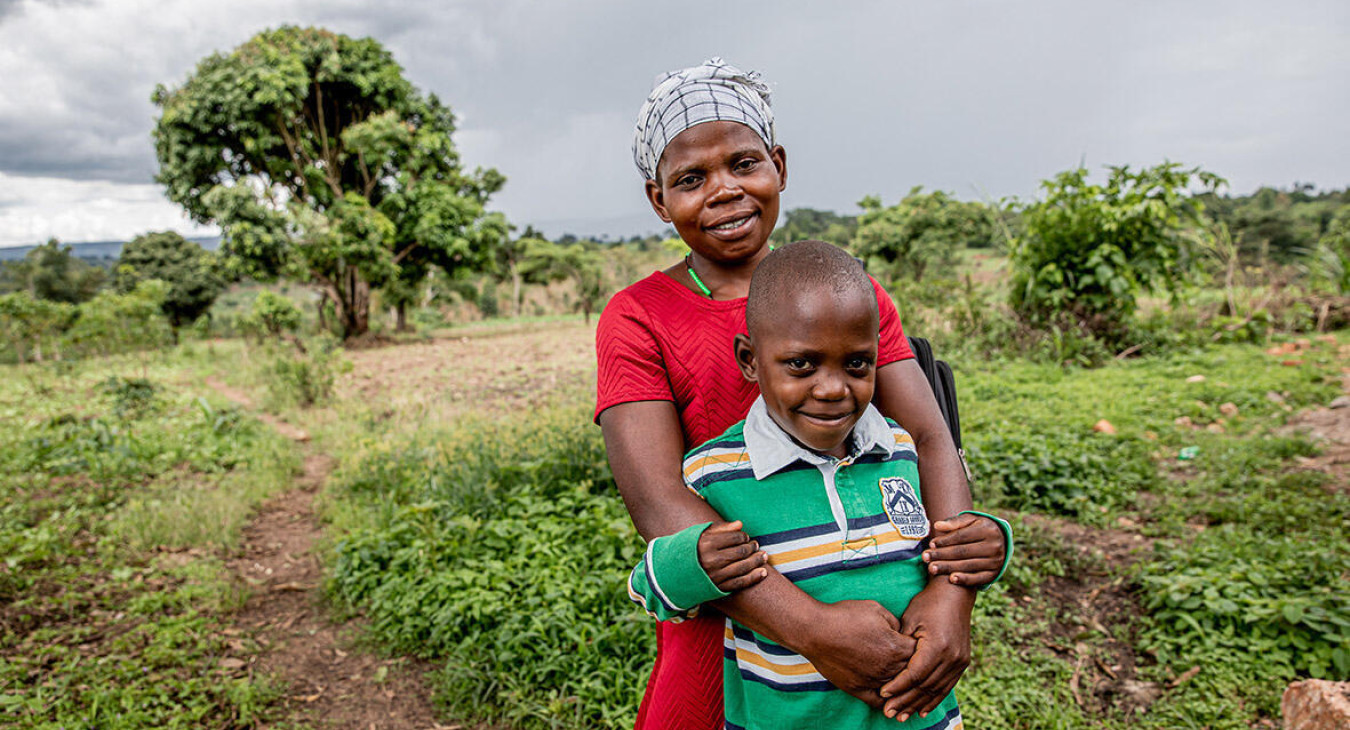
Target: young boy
x,y
825,488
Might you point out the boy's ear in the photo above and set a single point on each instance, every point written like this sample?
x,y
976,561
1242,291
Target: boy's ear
x,y
657,200
745,357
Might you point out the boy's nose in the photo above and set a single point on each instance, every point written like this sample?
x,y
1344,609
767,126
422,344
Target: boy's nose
x,y
829,386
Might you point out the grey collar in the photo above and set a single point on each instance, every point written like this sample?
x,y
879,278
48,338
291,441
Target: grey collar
x,y
771,449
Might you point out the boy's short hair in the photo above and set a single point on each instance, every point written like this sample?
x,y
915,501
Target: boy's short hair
x,y
798,267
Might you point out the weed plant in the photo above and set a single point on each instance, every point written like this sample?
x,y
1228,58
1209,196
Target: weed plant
x,y
107,480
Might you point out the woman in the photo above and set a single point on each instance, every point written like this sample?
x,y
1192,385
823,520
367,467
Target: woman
x,y
705,145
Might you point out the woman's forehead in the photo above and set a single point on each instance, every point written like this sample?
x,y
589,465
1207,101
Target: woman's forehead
x,y
710,140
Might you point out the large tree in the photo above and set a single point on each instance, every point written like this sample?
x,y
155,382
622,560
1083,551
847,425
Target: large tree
x,y
319,161
52,272
922,233
192,273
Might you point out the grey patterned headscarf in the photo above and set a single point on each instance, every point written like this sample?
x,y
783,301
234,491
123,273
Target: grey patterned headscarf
x,y
711,92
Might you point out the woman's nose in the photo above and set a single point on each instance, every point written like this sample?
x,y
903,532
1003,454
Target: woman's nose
x,y
724,188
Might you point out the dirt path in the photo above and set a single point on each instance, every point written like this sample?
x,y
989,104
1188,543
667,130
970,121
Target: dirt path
x,y
329,683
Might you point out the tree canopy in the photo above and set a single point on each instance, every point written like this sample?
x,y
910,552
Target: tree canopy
x,y
922,232
193,274
52,272
321,162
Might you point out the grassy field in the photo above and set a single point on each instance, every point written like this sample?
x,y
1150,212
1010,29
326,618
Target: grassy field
x,y
1174,569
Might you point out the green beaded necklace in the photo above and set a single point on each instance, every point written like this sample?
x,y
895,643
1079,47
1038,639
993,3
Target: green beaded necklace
x,y
689,266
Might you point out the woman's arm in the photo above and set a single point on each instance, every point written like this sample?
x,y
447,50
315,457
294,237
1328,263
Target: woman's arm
x,y
939,617
854,644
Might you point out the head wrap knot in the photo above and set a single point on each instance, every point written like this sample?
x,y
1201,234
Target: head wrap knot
x,y
711,92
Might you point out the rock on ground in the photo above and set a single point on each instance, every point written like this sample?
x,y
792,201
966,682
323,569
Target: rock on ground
x,y
1316,704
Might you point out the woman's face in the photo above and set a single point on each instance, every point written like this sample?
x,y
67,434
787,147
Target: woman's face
x,y
718,185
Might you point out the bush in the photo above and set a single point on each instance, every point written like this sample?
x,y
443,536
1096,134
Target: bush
x,y
503,551
1090,250
1275,599
304,376
272,315
1063,473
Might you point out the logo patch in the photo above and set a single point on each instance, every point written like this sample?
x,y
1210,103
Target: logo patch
x,y
903,508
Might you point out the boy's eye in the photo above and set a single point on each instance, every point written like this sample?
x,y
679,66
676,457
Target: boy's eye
x,y
799,363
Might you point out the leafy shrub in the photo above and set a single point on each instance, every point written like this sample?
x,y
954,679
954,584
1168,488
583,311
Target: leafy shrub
x,y
1062,473
305,376
1276,598
132,397
1089,250
272,315
503,550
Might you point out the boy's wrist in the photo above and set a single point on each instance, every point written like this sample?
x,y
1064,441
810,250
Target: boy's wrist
x,y
678,574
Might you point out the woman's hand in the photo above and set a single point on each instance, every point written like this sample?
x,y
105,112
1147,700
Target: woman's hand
x,y
968,549
858,646
939,619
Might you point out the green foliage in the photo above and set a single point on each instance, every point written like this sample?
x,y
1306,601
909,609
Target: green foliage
x,y
98,631
304,376
33,327
1071,474
502,551
1267,596
192,273
582,263
321,162
272,315
922,233
800,224
112,323
53,273
1090,250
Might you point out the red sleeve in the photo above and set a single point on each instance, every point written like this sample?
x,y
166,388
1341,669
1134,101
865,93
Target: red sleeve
x,y
629,363
893,346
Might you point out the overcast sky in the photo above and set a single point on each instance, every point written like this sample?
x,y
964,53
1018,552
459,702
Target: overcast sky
x,y
983,99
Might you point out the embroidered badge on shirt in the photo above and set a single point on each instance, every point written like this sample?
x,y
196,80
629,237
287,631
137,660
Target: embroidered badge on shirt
x,y
903,508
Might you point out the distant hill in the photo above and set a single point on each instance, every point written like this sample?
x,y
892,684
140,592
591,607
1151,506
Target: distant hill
x,y
99,250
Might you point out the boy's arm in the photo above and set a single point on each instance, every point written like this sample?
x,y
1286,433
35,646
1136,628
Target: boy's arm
x,y
854,644
701,563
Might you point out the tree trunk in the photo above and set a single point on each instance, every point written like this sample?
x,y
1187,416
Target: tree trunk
x,y
515,290
354,303
401,317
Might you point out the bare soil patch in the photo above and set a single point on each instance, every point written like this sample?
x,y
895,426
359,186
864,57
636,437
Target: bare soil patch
x,y
477,372
1329,427
330,683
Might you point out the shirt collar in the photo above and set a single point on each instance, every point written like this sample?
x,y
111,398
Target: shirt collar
x,y
771,449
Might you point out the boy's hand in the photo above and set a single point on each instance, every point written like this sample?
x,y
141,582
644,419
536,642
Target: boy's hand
x,y
968,549
730,558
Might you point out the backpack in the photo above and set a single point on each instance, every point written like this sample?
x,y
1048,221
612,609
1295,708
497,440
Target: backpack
x,y
943,383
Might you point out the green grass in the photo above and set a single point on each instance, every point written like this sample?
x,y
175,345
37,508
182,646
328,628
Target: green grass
x,y
464,550
120,481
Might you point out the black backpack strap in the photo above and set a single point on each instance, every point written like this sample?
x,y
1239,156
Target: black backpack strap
x,y
943,383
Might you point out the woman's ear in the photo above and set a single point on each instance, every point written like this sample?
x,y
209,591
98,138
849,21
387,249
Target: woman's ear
x,y
745,357
657,200
779,157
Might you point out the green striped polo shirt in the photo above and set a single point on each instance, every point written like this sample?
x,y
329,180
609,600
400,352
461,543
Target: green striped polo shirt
x,y
841,529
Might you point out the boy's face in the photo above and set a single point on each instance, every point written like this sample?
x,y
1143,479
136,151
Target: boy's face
x,y
719,187
816,367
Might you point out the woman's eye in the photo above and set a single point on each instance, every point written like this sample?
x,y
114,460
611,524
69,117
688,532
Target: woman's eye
x,y
747,164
